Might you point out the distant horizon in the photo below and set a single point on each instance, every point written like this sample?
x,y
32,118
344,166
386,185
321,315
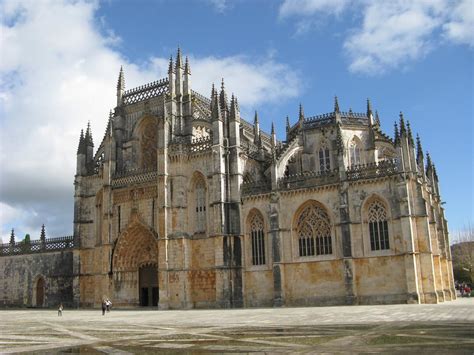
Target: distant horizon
x,y
60,63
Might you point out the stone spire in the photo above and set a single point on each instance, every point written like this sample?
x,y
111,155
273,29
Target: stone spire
x,y
396,135
301,113
370,114
288,127
336,105
120,87
256,129
403,130
43,234
179,61
170,66
273,136
377,119
187,68
223,97
234,109
410,136
215,107
88,137
12,237
419,150
82,145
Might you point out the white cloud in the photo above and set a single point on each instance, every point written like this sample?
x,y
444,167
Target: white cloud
x,y
220,5
311,7
58,73
394,33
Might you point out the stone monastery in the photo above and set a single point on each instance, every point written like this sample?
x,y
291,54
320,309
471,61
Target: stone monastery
x,y
184,204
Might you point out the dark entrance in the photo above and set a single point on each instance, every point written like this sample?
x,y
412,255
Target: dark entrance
x,y
40,292
148,286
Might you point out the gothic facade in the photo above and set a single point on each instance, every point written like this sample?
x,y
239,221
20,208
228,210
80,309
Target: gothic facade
x,y
184,204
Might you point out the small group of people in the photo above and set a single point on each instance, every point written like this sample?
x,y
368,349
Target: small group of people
x,y
106,305
464,289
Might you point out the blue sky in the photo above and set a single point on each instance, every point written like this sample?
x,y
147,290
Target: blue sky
x,y
60,61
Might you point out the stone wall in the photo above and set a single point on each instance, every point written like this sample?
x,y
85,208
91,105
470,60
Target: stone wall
x,y
21,274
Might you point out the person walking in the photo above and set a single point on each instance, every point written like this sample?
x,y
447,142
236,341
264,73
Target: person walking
x,y
103,307
60,310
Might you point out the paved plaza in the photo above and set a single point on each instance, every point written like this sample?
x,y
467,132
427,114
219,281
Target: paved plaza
x,y
446,328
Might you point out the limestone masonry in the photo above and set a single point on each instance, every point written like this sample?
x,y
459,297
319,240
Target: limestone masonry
x,y
184,204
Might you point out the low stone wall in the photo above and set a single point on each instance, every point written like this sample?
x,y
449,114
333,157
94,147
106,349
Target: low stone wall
x,y
38,280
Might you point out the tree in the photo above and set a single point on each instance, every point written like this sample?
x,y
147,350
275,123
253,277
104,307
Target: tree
x,y
462,252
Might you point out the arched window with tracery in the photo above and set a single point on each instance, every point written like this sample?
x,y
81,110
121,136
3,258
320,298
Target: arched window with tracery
x,y
324,160
148,145
378,226
200,205
257,238
355,152
313,229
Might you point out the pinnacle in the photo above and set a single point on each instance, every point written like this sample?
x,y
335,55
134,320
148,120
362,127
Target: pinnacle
x,y
336,105
121,80
187,68
170,67
369,108
255,118
273,128
179,62
301,112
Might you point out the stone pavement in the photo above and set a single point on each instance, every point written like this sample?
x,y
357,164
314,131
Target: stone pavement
x,y
443,328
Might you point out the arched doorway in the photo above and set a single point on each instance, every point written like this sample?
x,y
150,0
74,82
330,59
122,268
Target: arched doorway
x,y
135,266
40,292
148,285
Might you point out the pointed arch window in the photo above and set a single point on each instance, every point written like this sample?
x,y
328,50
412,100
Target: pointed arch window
x,y
354,152
200,206
378,226
314,231
257,238
324,160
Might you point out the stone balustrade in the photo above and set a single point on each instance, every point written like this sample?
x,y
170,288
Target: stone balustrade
x,y
37,246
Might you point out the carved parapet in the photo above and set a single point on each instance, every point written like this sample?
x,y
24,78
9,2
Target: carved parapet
x,y
308,179
134,176
373,170
37,246
146,92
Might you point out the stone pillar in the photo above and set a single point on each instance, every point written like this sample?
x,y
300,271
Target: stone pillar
x,y
275,236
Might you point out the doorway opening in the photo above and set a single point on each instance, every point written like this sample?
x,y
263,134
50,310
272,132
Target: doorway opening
x,y
148,285
40,292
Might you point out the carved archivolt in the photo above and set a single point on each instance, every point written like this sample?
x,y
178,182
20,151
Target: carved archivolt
x,y
136,246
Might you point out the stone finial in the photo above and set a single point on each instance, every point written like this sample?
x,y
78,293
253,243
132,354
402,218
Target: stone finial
x,y
215,107
377,119
223,97
170,67
187,68
179,61
12,237
301,113
396,135
273,141
435,174
409,134
369,108
80,148
121,80
273,128
403,130
255,118
43,234
288,127
336,105
88,137
419,150
429,164
234,109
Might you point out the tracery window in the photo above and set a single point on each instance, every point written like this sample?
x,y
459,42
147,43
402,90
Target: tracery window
x,y
200,206
257,237
378,226
148,144
354,152
314,231
324,160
